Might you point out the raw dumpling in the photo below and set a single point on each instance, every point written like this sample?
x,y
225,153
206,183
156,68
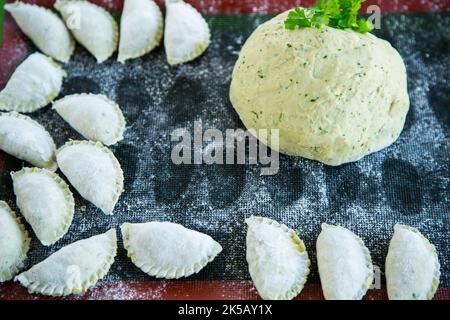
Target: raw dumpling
x,y
94,171
74,268
24,138
277,259
33,85
44,28
94,116
92,26
14,243
345,266
187,34
168,250
412,266
45,201
141,28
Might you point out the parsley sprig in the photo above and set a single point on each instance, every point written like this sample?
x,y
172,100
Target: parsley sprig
x,y
339,14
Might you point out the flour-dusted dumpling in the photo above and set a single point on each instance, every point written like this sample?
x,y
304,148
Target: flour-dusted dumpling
x,y
141,28
24,138
92,26
74,268
186,34
44,28
277,259
45,201
94,171
412,266
95,117
168,250
14,243
33,85
345,266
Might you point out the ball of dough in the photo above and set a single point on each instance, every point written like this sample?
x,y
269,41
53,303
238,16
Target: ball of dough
x,y
335,95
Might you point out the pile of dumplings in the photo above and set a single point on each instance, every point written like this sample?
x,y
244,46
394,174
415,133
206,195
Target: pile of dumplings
x,y
186,34
277,258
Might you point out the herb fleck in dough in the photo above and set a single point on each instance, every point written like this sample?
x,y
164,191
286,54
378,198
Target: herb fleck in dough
x,y
335,95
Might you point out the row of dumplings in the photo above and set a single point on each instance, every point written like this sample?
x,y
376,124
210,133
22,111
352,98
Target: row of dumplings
x,y
277,258
186,36
160,249
279,263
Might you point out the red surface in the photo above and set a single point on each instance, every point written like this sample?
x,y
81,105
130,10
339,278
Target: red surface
x,y
182,290
14,50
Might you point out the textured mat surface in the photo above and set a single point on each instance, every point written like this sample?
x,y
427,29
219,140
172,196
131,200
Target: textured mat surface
x,y
405,183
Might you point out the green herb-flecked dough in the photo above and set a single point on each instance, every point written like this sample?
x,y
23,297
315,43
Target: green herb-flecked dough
x,y
335,95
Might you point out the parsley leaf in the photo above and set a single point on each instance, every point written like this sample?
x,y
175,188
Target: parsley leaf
x,y
339,14
364,26
298,18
